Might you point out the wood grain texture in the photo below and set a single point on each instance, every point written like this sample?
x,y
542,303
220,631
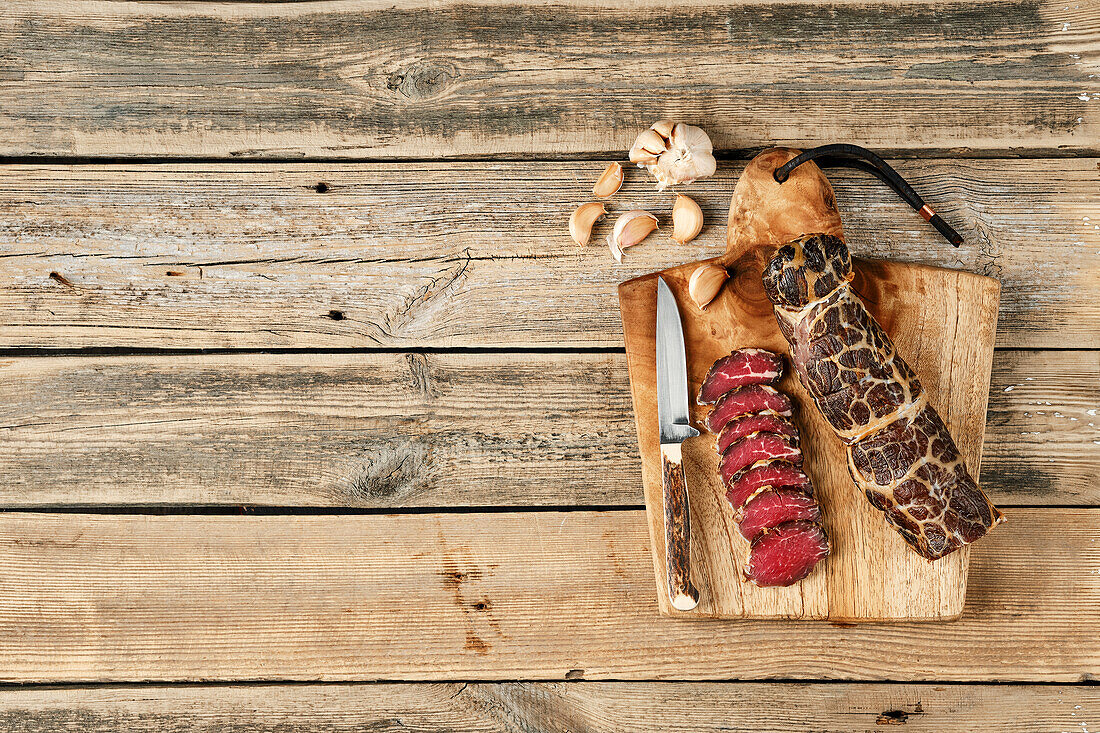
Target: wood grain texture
x,y
555,707
402,430
944,323
365,79
485,597
182,256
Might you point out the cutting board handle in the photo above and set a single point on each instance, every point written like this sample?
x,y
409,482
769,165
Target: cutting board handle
x,y
681,593
765,213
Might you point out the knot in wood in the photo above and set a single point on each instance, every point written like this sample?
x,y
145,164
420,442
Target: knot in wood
x,y
422,80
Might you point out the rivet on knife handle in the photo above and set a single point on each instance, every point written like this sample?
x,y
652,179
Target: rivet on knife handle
x,y
681,592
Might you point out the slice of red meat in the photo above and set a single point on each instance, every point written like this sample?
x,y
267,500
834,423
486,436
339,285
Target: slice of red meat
x,y
746,401
742,367
786,554
768,422
772,474
773,507
757,447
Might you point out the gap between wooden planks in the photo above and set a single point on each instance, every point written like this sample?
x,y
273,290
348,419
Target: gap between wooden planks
x,y
428,430
363,79
556,707
531,595
468,254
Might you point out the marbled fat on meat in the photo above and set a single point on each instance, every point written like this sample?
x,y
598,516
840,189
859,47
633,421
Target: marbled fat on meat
x,y
772,507
761,475
747,400
757,447
741,368
768,422
899,451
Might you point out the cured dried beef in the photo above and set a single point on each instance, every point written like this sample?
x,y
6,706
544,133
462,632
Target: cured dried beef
x,y
747,400
899,451
786,554
764,474
772,507
760,466
741,368
766,422
757,447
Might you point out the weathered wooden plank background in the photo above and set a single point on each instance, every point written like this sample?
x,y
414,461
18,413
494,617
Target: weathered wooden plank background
x,y
191,176
528,595
428,430
556,707
366,79
468,254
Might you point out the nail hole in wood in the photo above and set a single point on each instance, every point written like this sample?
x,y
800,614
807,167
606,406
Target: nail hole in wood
x,y
58,277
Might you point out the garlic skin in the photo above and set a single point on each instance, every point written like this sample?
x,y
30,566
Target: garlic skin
x,y
705,284
630,229
609,181
674,153
687,219
583,218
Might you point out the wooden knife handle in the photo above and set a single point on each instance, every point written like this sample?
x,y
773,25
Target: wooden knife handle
x,y
681,592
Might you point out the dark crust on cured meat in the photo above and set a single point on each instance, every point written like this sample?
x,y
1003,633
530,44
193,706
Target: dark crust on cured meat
x,y
772,373
900,453
756,398
912,471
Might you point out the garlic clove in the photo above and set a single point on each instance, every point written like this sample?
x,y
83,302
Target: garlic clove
x,y
647,148
705,284
609,181
663,128
630,229
687,219
583,218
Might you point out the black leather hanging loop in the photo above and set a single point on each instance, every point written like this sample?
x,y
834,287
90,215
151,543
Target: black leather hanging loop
x,y
854,156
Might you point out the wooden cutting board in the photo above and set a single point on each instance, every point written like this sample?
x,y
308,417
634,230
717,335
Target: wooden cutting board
x,y
943,323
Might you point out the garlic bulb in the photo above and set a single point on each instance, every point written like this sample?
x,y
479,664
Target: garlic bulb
x,y
705,284
674,153
687,219
582,220
630,229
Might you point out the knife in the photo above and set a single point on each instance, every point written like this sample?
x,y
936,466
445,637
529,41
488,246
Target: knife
x,y
672,416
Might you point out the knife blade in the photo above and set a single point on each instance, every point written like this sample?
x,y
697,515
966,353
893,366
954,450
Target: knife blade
x,y
675,428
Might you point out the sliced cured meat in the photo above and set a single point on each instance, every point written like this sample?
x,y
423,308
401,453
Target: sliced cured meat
x,y
745,401
757,447
760,465
773,474
767,422
786,554
773,507
741,368
900,454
